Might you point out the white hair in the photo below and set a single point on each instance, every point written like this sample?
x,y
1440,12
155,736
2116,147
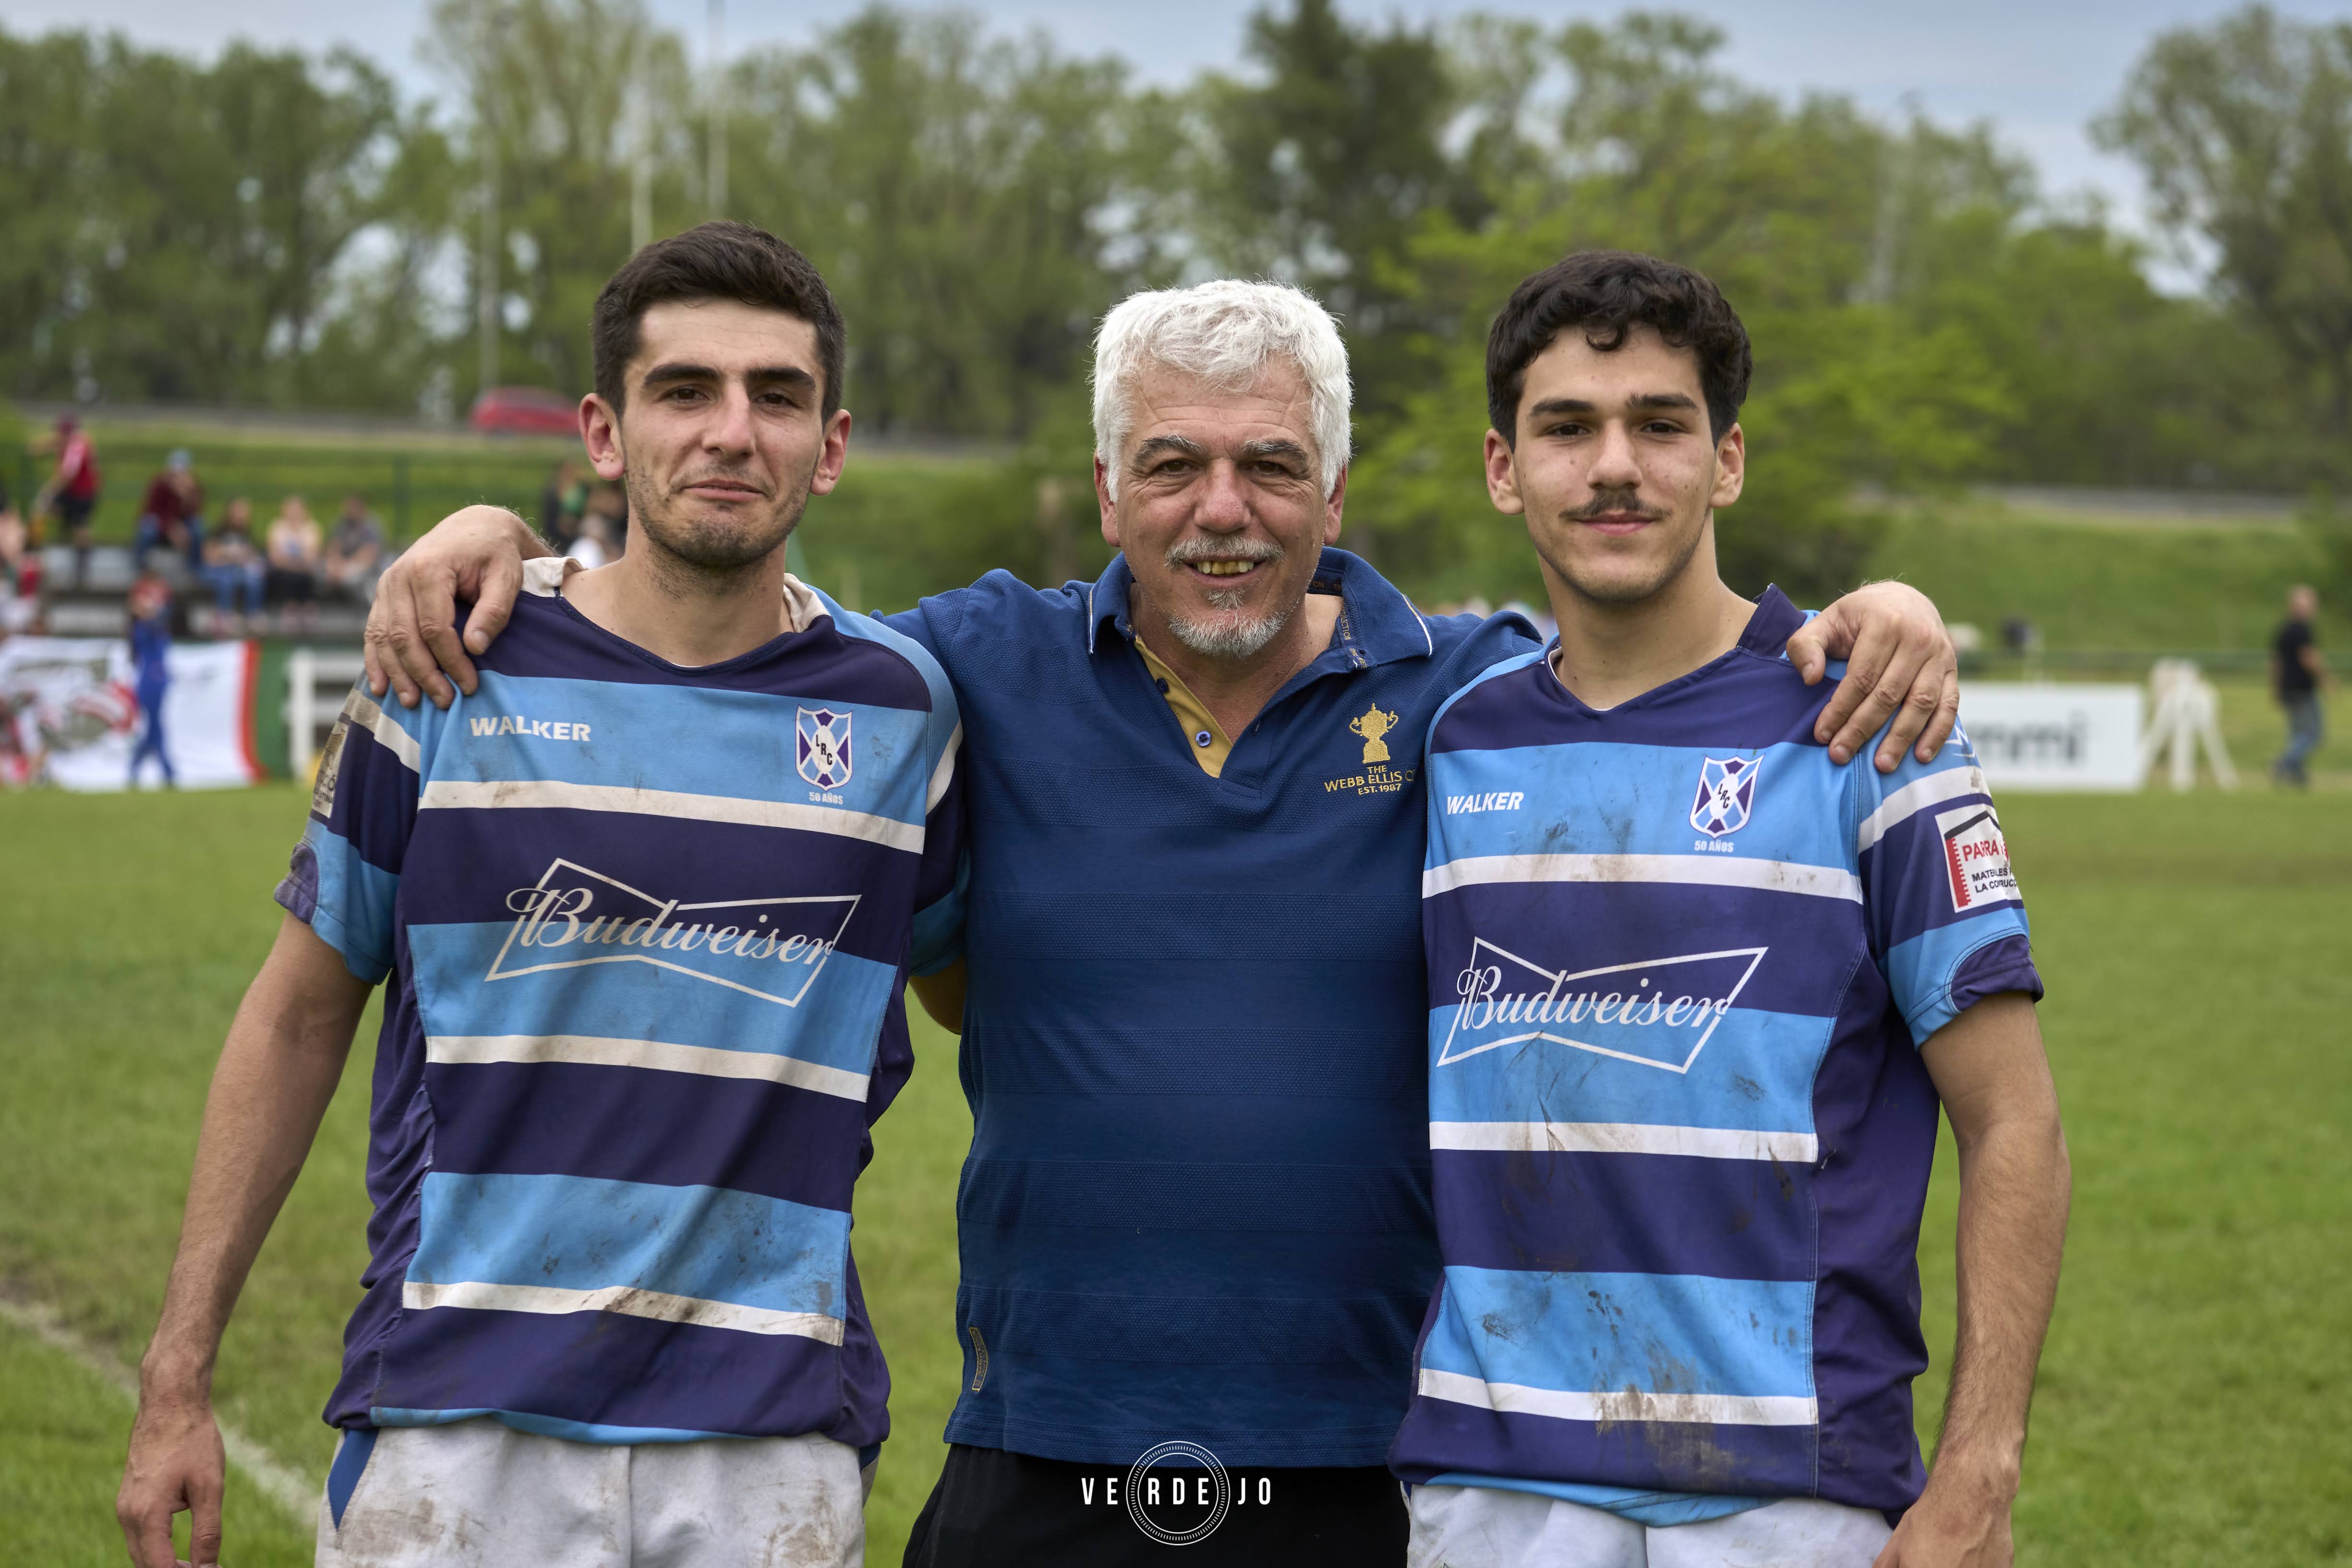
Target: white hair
x,y
1222,333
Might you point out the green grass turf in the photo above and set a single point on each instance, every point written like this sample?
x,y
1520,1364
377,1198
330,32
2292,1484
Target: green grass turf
x,y
2188,1410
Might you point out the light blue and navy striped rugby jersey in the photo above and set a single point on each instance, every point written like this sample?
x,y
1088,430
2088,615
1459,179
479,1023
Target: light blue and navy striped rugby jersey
x,y
1680,965
647,931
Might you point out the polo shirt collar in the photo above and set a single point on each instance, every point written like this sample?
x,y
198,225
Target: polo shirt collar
x,y
1378,625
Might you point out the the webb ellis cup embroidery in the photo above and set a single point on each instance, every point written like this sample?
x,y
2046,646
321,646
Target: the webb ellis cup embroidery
x,y
1373,724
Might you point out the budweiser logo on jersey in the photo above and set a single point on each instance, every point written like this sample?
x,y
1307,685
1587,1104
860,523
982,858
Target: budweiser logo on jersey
x,y
772,948
1658,1012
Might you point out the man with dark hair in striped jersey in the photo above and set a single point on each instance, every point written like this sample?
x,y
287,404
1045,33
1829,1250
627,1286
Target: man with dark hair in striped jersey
x,y
644,1001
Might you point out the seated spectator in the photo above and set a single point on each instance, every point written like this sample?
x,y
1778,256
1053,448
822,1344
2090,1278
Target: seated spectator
x,y
171,516
593,545
561,505
354,552
234,569
20,573
291,580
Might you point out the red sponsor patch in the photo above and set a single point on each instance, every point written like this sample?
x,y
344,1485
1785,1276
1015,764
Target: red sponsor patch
x,y
1976,857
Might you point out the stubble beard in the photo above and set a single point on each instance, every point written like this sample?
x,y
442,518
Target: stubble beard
x,y
711,548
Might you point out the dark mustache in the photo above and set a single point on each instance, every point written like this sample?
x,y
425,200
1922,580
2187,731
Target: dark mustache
x,y
1605,502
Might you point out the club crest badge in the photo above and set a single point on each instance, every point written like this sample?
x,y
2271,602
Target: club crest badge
x,y
822,747
1727,794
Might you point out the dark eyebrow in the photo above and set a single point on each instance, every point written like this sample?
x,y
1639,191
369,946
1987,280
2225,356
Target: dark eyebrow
x,y
1644,400
764,375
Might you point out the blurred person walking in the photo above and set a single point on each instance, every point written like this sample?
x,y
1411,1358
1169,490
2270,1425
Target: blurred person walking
x,y
233,569
150,651
72,491
354,552
2299,674
291,580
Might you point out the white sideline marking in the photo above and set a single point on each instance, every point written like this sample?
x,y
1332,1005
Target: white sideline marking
x,y
297,1496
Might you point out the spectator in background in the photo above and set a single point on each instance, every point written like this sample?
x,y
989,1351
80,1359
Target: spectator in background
x,y
233,569
172,516
561,504
151,650
593,548
354,552
608,502
2298,676
20,574
72,491
290,582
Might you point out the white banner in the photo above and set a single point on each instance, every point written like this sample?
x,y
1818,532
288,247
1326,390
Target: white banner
x,y
69,714
2055,737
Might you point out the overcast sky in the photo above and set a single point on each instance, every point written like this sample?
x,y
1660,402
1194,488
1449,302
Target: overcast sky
x,y
2038,70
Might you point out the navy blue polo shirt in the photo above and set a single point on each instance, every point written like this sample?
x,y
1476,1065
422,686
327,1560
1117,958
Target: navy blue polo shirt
x,y
1197,1204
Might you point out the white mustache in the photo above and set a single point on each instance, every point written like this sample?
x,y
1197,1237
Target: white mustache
x,y
1200,548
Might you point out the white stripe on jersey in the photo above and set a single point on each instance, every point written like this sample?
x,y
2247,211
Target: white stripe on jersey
x,y
1767,875
553,794
943,774
362,712
1621,1404
1917,796
660,1055
482,1296
1623,1138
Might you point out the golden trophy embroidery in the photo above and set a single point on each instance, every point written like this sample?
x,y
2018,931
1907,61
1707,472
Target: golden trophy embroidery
x,y
1372,726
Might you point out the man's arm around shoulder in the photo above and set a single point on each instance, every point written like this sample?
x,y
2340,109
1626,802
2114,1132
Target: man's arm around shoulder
x,y
284,1056
475,553
1994,1077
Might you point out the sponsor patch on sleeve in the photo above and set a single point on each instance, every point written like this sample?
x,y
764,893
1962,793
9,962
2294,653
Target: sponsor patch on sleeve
x,y
331,768
1976,858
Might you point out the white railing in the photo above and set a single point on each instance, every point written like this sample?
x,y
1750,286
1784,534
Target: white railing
x,y
308,716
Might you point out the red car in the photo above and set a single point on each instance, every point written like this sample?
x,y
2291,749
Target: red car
x,y
525,411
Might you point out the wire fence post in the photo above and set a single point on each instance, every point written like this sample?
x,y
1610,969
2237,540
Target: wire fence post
x,y
400,496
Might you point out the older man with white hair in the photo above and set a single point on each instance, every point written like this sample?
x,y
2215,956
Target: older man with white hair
x,y
1195,1222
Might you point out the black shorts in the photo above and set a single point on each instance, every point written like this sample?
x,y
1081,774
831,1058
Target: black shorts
x,y
74,510
992,1508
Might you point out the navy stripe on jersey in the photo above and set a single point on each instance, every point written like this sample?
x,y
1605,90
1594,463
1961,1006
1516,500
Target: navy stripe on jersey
x,y
1679,964
650,930
673,1129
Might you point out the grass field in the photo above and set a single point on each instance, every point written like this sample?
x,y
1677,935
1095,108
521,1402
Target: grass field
x,y
2190,1411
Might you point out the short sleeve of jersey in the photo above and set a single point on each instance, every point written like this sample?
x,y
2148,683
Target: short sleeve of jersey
x,y
1946,921
345,873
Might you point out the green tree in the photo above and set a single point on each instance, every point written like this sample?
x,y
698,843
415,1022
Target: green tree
x,y
1320,169
2245,130
975,203
176,230
548,85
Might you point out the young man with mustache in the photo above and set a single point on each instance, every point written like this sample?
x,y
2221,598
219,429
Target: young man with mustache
x,y
1196,1206
1696,996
